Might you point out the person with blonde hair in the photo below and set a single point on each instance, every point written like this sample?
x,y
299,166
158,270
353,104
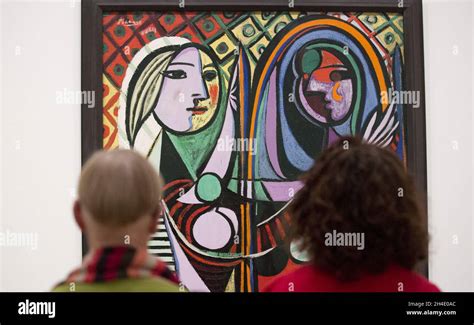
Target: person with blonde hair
x,y
117,209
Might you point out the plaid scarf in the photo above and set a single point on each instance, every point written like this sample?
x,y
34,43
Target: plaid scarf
x,y
121,262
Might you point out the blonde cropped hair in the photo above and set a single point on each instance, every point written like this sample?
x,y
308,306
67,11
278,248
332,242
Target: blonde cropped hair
x,y
118,187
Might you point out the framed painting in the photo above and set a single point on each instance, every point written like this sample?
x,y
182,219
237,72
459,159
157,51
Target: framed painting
x,y
232,100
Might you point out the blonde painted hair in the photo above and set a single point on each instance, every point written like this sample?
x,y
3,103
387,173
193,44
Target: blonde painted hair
x,y
140,90
118,187
144,90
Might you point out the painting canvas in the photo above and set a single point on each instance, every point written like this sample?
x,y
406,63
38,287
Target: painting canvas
x,y
231,108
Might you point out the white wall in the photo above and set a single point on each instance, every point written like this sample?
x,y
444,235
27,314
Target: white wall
x,y
448,38
40,140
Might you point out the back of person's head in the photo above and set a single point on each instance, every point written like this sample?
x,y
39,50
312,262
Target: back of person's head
x,y
358,188
117,188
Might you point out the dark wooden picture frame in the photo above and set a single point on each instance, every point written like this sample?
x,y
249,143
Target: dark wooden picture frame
x,y
413,73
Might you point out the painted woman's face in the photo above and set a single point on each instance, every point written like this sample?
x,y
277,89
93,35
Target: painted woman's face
x,y
327,90
190,92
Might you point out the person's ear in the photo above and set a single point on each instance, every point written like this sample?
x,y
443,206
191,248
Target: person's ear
x,y
154,221
77,210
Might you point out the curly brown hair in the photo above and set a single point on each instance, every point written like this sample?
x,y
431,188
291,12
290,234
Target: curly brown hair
x,y
355,187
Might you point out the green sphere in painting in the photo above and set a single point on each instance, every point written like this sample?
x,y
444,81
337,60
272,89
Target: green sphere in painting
x,y
209,187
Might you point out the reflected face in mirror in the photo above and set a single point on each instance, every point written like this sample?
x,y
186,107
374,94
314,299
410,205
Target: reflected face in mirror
x,y
189,93
326,86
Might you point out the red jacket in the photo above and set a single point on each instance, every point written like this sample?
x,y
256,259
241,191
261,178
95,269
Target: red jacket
x,y
311,279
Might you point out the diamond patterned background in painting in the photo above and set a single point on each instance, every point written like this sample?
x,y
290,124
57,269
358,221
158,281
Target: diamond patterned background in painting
x,y
125,34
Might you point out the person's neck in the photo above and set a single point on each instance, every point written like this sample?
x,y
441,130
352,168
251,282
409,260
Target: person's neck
x,y
95,245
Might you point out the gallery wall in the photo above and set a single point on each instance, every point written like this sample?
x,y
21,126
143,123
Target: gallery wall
x,y
448,36
40,140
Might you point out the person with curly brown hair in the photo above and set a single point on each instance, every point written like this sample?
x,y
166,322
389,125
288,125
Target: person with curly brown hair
x,y
359,220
